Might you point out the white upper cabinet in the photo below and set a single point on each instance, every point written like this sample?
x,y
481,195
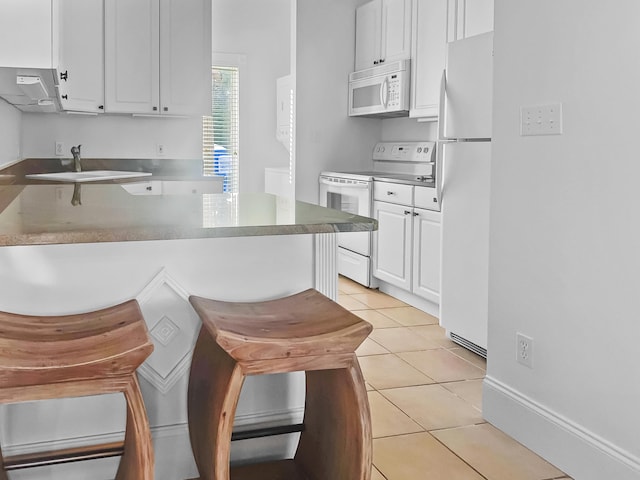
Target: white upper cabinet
x,y
64,37
27,34
383,32
185,57
434,23
132,56
157,56
428,56
81,55
469,18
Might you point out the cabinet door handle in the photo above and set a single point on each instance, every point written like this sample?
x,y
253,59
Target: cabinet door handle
x,y
375,62
65,97
64,75
407,212
382,60
166,109
155,109
389,192
416,214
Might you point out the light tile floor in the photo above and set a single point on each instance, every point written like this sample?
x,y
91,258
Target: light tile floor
x,y
425,394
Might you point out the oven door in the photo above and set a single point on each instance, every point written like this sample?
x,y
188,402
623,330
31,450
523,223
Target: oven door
x,y
353,197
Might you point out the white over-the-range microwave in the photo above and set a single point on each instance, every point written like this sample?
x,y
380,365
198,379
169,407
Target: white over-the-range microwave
x,y
381,91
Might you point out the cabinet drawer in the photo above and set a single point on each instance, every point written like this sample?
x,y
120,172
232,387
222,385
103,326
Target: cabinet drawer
x,y
393,193
425,197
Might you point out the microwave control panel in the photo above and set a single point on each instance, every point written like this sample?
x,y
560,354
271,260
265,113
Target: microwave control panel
x,y
394,92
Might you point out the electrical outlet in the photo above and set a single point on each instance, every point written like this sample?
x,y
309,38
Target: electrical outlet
x,y
160,149
59,149
541,120
524,350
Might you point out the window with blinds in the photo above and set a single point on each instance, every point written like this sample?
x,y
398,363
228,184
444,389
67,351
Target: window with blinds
x,y
220,136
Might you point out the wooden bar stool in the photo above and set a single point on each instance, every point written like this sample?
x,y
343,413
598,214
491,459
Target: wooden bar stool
x,y
79,355
304,332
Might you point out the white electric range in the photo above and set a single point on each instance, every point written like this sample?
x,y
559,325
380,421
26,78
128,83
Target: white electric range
x,y
412,163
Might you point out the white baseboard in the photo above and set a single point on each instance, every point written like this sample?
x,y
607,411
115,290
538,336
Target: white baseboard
x,y
569,446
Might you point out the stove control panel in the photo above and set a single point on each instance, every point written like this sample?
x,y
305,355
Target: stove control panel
x,y
404,152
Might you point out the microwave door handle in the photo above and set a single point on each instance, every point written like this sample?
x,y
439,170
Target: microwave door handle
x,y
384,96
442,107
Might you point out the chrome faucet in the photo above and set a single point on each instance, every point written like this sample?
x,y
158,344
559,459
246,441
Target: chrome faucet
x,y
75,151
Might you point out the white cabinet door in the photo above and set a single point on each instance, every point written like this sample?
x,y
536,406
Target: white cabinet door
x,y
368,24
392,244
396,30
383,32
26,34
426,254
158,56
132,56
185,57
81,55
428,56
471,17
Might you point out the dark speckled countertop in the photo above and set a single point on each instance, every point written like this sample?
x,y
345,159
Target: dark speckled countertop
x,y
35,212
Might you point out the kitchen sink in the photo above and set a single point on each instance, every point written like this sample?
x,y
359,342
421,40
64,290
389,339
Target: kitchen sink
x,y
87,176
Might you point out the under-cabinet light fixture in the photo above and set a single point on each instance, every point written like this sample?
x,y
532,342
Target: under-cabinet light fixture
x,y
32,87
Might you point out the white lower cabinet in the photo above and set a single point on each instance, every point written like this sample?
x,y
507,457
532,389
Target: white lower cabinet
x,y
174,187
392,244
406,246
426,254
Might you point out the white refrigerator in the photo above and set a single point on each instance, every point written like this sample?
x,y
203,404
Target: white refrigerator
x,y
464,150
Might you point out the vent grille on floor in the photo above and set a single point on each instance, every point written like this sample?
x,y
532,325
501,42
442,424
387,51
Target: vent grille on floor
x,y
469,345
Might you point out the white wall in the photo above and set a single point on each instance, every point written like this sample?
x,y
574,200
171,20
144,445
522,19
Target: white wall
x,y
260,31
408,130
111,136
10,123
565,235
327,139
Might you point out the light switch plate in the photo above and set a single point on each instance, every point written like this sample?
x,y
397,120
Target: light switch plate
x,y
541,119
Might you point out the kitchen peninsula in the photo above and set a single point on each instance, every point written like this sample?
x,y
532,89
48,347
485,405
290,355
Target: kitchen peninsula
x,y
71,248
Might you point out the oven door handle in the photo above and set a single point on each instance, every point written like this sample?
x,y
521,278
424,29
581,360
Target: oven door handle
x,y
324,181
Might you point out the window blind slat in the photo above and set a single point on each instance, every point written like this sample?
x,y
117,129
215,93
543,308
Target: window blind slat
x,y
220,135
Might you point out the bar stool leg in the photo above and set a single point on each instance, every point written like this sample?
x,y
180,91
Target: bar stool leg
x,y
212,399
137,460
336,442
3,474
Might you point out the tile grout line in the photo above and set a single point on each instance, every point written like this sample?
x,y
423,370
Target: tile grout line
x,y
442,384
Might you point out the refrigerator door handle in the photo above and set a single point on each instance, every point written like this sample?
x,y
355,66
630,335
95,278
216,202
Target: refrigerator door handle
x,y
442,107
439,170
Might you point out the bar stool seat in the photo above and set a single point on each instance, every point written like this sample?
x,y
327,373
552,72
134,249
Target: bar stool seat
x,y
45,357
303,332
